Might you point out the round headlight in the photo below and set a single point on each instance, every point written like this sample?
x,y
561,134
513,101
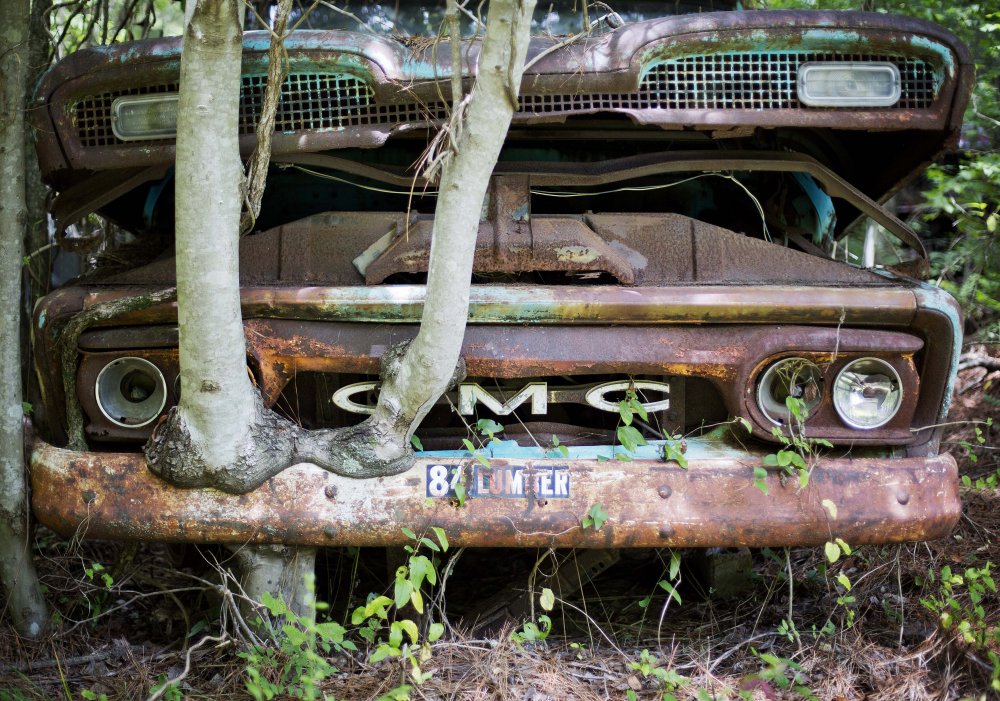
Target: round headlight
x,y
131,392
867,393
789,377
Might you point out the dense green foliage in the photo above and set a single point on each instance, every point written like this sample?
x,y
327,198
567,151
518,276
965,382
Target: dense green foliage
x,y
960,213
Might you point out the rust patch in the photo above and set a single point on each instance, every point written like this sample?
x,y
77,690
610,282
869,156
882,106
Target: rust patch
x,y
712,503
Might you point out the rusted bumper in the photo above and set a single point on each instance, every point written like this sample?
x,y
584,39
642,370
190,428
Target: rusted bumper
x,y
536,502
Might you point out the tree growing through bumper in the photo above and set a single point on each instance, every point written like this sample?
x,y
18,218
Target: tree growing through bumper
x,y
220,435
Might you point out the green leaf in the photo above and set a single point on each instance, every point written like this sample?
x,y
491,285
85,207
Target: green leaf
x,y
468,445
294,635
382,652
488,427
435,632
844,581
595,517
408,533
625,411
442,538
832,551
418,600
421,568
638,408
415,442
359,616
675,565
26,407
276,607
770,460
410,628
671,590
331,631
547,599
402,591
760,479
630,438
843,546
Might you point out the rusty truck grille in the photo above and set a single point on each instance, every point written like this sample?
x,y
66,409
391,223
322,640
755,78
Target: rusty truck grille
x,y
761,81
318,101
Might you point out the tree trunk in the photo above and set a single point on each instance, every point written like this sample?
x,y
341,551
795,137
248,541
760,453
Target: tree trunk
x,y
424,373
17,571
219,435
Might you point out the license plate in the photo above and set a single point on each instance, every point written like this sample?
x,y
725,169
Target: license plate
x,y
499,482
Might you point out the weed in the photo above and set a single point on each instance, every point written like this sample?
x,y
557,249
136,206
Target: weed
x,y
628,435
957,600
532,632
798,454
780,672
674,448
295,662
596,517
666,679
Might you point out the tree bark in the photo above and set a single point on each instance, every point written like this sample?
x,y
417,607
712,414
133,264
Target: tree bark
x,y
17,571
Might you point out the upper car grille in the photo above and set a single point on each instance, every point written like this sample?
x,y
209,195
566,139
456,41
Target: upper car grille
x,y
749,80
761,81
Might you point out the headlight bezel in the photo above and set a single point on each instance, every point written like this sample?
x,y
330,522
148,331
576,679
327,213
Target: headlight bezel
x,y
108,393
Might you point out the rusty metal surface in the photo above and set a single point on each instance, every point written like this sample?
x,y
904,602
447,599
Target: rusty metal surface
x,y
608,66
730,357
650,504
550,244
640,248
546,304
285,348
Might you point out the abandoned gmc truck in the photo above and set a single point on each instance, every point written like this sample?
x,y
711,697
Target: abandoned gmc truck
x,y
689,306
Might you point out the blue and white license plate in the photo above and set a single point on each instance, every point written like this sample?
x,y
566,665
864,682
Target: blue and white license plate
x,y
500,481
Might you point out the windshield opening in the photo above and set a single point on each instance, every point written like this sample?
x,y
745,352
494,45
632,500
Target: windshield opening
x,y
402,20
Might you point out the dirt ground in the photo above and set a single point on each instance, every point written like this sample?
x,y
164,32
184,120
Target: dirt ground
x,y
129,617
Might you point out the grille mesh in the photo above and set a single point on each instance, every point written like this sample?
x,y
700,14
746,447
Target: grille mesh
x,y
316,101
761,81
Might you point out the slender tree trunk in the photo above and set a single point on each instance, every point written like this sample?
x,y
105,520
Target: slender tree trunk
x,y
220,434
17,571
424,373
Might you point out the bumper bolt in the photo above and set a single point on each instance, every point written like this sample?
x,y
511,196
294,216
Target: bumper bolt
x,y
666,531
903,497
329,531
330,491
664,491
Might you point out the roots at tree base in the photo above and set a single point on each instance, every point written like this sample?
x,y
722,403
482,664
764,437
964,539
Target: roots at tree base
x,y
377,447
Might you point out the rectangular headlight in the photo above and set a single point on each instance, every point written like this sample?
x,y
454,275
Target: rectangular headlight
x,y
144,117
847,84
